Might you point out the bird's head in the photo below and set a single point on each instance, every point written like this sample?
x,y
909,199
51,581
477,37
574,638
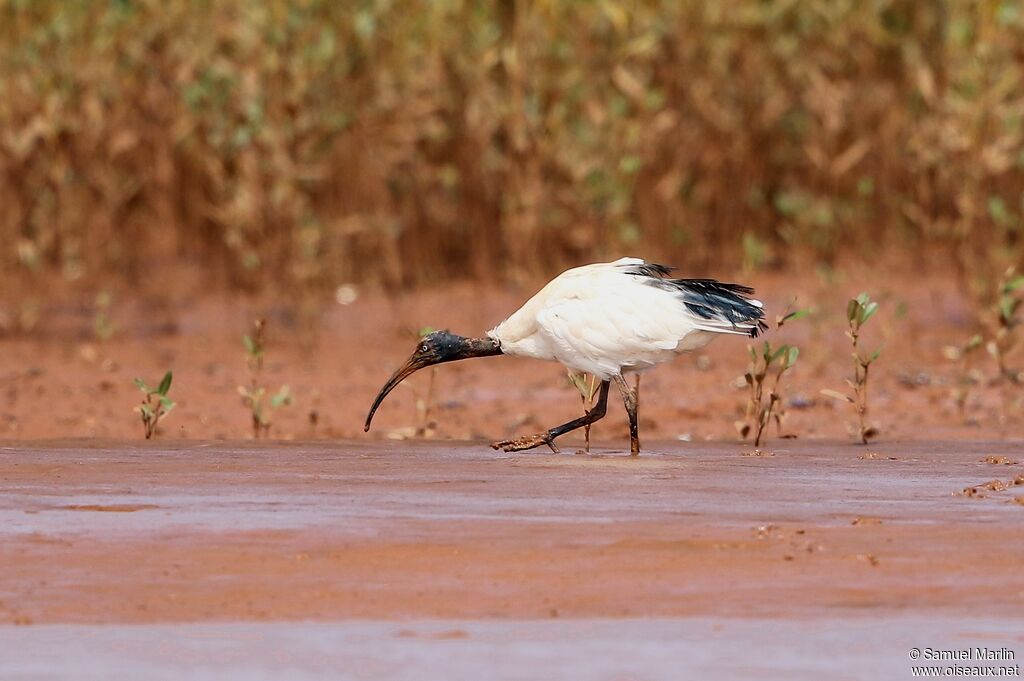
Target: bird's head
x,y
434,348
437,347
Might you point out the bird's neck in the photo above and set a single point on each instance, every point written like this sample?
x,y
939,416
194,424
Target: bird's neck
x,y
481,347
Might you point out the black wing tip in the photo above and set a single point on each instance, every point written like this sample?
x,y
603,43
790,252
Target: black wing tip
x,y
650,269
661,270
758,328
713,299
716,286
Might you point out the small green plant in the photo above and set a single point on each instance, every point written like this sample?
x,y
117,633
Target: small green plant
x,y
764,362
254,396
155,405
1007,319
586,384
858,311
967,377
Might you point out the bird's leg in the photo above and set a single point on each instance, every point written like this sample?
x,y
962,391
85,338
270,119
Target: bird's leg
x,y
590,398
631,398
586,428
548,437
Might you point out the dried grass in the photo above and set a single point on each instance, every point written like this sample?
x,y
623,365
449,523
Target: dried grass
x,y
399,141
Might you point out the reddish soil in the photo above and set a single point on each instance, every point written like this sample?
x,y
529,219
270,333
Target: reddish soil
x,y
62,382
186,532
347,525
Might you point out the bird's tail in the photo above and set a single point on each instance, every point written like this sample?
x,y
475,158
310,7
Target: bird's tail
x,y
722,307
719,307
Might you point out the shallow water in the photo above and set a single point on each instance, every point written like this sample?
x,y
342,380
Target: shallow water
x,y
385,560
362,487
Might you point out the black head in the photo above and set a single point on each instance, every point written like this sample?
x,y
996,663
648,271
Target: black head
x,y
435,348
438,347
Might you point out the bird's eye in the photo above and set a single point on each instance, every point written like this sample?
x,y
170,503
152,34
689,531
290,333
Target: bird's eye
x,y
424,348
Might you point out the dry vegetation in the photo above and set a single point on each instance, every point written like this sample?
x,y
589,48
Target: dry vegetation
x,y
311,143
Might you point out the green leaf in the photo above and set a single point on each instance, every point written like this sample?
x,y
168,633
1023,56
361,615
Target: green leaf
x,y
852,310
583,384
141,385
282,398
868,311
250,344
630,164
798,314
874,355
1007,307
580,383
165,384
999,212
365,24
779,353
792,355
167,403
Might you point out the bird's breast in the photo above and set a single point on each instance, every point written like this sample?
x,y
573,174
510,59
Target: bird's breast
x,y
534,346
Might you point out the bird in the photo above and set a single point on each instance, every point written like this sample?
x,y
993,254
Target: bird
x,y
604,319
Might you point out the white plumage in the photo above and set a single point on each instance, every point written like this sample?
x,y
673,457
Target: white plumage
x,y
605,319
609,318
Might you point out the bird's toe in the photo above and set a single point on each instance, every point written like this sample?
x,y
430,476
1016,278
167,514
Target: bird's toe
x,y
522,443
508,445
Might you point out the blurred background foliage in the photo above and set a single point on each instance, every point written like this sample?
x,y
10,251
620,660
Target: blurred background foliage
x,y
306,143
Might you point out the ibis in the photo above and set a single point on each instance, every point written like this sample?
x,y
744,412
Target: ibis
x,y
605,319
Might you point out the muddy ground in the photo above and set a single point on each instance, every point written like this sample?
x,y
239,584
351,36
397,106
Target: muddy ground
x,y
199,531
62,381
855,553
359,551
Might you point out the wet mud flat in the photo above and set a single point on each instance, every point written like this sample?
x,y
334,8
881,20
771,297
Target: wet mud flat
x,y
819,559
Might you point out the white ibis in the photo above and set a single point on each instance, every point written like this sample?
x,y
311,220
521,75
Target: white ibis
x,y
605,319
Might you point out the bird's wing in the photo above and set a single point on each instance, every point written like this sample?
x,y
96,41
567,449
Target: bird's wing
x,y
718,307
604,317
604,329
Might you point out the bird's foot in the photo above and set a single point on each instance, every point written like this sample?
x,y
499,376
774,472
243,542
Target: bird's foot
x,y
526,442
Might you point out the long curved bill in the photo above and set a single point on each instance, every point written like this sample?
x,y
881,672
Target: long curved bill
x,y
410,367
